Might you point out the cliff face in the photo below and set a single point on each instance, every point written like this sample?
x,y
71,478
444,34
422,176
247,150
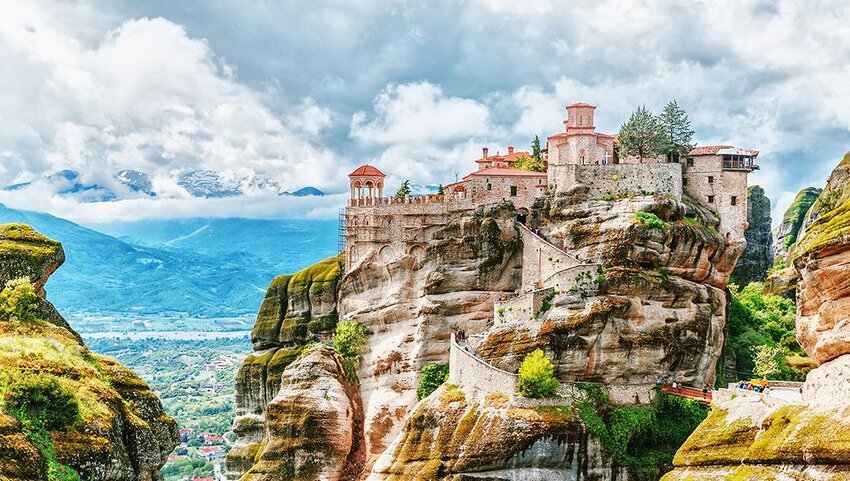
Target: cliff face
x,y
764,438
757,259
120,431
450,436
658,309
409,306
313,426
785,234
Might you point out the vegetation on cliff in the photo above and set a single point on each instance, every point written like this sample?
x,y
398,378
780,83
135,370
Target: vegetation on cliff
x,y
792,221
537,376
827,223
431,377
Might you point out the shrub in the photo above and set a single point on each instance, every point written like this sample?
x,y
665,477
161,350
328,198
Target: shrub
x,y
349,338
17,300
650,220
537,376
42,400
431,377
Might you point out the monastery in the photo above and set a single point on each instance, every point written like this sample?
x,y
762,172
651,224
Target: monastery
x,y
392,227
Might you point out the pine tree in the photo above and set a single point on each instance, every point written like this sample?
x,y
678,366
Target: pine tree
x,y
536,153
677,133
403,190
441,190
641,135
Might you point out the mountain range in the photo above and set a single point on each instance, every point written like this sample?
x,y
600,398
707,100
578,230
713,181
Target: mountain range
x,y
196,267
132,183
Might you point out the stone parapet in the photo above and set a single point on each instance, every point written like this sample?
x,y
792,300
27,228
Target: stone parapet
x,y
619,179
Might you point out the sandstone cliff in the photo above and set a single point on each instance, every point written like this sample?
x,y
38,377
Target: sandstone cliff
x,y
658,309
121,432
757,259
753,437
782,281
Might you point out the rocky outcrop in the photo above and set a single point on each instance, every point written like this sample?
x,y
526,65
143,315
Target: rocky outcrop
x,y
450,436
312,428
822,259
658,306
757,259
757,437
296,310
785,234
122,434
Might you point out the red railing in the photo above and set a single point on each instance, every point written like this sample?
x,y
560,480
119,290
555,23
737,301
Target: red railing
x,y
688,392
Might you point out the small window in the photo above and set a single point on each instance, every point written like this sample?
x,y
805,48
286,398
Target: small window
x,y
734,200
685,181
711,199
690,161
513,191
710,179
489,186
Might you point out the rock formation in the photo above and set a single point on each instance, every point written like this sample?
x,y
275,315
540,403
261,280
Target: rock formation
x,y
785,234
313,427
449,436
749,437
122,433
757,259
659,306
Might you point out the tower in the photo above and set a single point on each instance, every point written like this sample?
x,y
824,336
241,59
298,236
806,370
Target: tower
x,y
366,183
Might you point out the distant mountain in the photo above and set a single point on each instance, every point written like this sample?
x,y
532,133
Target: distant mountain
x,y
136,181
209,184
67,183
200,267
305,192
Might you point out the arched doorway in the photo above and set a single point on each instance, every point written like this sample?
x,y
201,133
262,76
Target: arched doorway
x,y
522,215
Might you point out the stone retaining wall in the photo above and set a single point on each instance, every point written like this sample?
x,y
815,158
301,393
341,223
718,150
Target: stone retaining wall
x,y
520,308
620,179
474,374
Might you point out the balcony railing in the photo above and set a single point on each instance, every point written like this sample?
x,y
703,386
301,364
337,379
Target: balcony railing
x,y
743,163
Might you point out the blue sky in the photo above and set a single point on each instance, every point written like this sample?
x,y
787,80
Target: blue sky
x,y
302,92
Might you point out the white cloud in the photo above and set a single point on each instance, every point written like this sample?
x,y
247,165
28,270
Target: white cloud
x,y
420,113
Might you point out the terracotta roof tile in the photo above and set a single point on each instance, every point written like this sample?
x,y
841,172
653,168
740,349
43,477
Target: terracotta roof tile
x,y
714,149
581,104
505,172
366,170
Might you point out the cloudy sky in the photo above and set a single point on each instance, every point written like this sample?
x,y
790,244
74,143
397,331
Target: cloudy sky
x,y
303,92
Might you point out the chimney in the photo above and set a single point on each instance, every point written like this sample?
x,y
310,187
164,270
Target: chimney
x,y
484,152
510,149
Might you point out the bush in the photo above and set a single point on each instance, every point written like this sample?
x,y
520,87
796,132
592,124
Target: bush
x,y
41,399
349,338
650,220
17,300
431,377
537,376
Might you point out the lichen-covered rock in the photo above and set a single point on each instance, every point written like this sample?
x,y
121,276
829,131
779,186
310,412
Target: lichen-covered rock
x,y
757,259
297,309
123,433
659,307
822,259
313,426
450,437
785,234
782,282
750,437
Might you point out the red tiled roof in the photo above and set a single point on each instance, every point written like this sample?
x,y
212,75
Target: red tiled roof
x,y
505,172
504,158
581,104
366,170
714,149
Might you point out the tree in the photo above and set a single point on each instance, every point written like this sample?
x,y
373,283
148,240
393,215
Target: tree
x,y
536,153
676,130
641,135
765,361
441,190
432,376
530,163
349,338
404,189
17,300
537,376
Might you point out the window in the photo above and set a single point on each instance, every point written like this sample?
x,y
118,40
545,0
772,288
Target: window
x,y
690,161
685,181
734,200
489,186
513,191
711,199
710,179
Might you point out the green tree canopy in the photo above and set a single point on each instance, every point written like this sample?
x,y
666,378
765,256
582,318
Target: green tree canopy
x,y
677,136
765,360
404,189
537,376
536,153
530,163
641,135
349,338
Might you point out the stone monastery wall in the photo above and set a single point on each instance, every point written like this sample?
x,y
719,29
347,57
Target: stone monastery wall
x,y
618,179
